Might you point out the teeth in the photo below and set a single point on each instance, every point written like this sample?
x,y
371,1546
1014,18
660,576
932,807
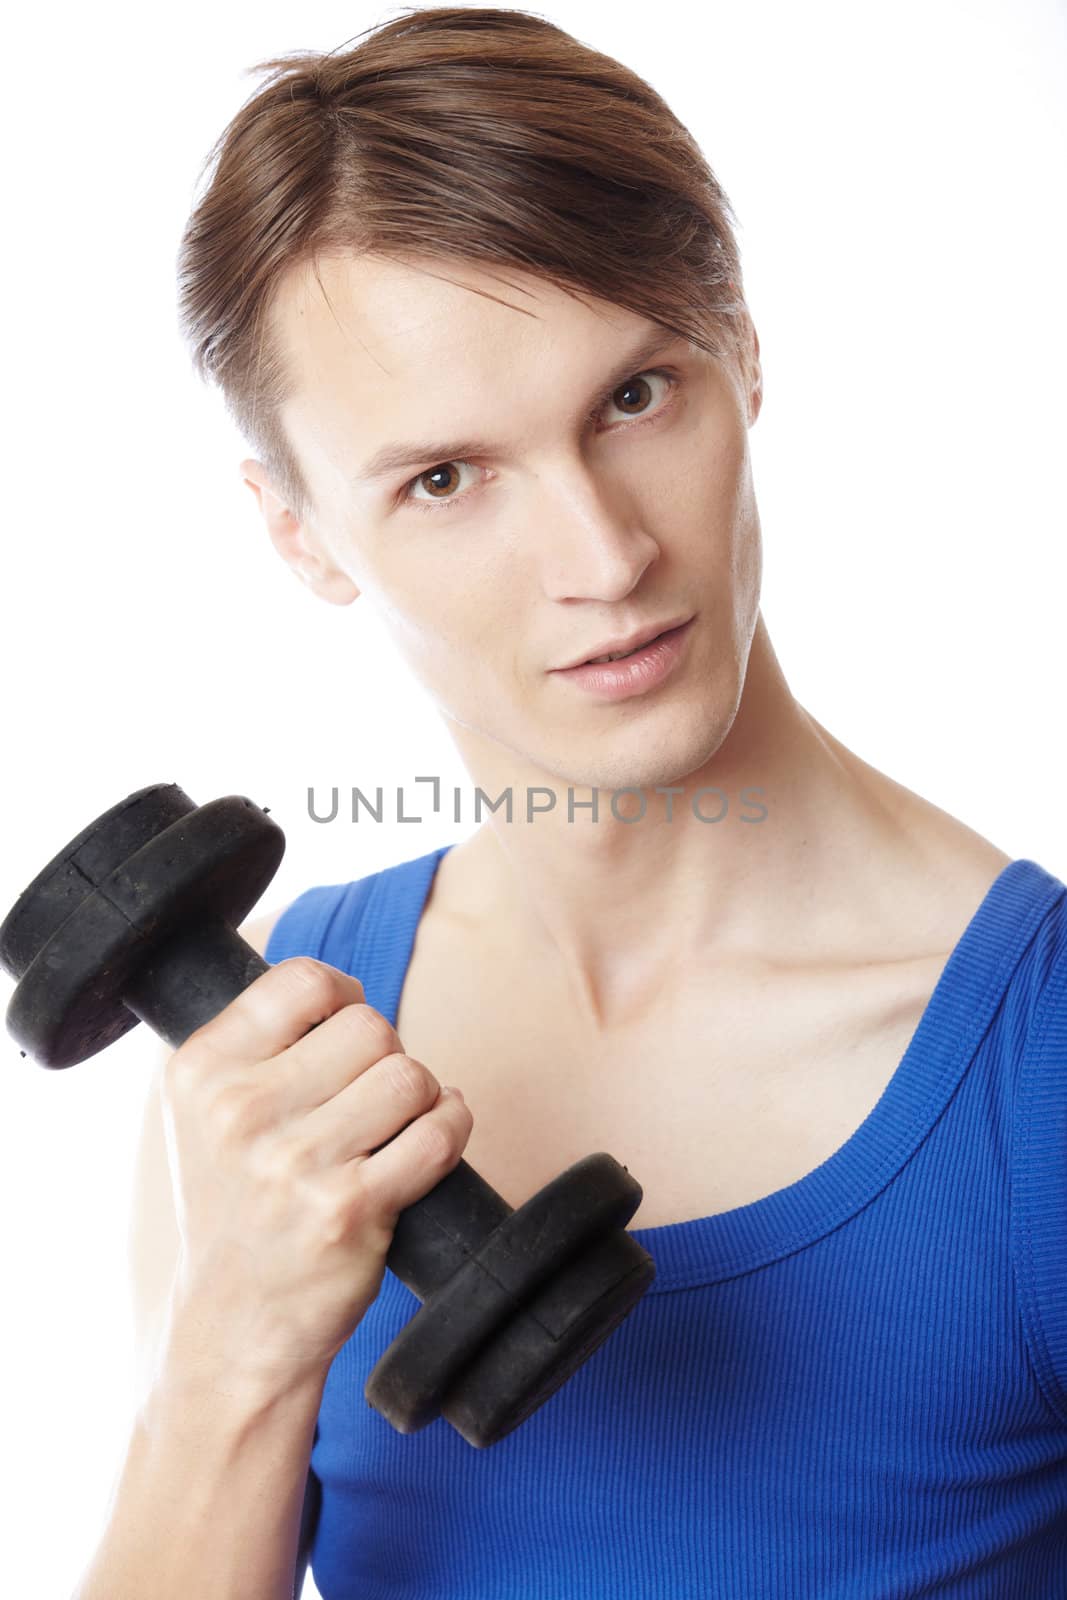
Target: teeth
x,y
596,660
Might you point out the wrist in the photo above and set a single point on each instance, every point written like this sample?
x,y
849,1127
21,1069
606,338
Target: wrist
x,y
204,1361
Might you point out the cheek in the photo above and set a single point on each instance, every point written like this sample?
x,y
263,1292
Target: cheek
x,y
473,606
453,628
700,499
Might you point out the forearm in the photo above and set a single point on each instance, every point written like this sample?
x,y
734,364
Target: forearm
x,y
209,1498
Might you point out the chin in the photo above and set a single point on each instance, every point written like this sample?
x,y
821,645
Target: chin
x,y
663,762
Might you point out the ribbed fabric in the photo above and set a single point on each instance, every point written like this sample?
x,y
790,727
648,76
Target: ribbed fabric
x,y
854,1388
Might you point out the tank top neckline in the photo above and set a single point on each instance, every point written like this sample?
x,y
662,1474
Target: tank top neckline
x,y
721,1245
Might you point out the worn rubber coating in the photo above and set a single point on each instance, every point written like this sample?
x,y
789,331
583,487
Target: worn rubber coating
x,y
592,1198
533,1355
146,868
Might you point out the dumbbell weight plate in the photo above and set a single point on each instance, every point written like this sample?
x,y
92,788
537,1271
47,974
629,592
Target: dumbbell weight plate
x,y
548,1340
87,921
413,1380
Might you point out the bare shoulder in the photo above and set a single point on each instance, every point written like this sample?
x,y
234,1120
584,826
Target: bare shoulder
x,y
967,864
951,870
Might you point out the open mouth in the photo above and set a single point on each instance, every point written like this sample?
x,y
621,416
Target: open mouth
x,y
622,655
638,670
638,649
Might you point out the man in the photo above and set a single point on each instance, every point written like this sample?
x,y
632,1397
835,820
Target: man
x,y
804,942
789,993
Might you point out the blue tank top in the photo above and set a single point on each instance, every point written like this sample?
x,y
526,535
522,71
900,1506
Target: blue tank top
x,y
854,1388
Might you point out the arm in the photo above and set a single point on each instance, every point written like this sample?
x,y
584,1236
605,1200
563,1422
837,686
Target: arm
x,y
296,1131
206,1456
209,1499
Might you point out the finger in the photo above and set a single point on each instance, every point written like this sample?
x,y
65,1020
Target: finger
x,y
318,1067
276,1009
417,1158
370,1109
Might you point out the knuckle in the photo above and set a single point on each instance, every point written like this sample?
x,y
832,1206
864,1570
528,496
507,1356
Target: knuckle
x,y
342,1211
410,1079
334,1227
237,1113
310,977
295,1156
370,1024
434,1141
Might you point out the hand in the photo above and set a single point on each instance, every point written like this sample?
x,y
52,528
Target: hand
x,y
297,1130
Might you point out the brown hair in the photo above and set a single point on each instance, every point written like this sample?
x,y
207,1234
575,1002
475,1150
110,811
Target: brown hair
x,y
470,134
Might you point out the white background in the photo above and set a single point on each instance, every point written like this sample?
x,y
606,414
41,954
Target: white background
x,y
898,177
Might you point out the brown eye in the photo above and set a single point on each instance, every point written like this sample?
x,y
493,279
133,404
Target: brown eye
x,y
636,393
441,483
445,470
633,386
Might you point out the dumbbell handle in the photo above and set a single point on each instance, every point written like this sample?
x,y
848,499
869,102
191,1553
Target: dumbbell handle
x,y
189,978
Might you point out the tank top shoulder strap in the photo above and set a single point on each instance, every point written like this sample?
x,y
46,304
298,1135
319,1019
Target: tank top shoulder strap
x,y
1039,1158
366,927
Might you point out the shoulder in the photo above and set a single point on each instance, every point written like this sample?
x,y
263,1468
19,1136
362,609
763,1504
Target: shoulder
x,y
1039,1146
1047,1033
325,920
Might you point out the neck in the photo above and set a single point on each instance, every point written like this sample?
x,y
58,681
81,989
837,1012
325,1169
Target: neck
x,y
622,910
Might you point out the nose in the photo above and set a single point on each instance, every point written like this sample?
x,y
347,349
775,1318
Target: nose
x,y
592,540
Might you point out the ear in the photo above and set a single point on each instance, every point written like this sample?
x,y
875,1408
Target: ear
x,y
295,542
752,371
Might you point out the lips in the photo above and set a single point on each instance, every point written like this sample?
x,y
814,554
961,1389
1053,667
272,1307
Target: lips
x,y
625,647
619,655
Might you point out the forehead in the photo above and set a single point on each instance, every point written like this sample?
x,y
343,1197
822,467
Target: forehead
x,y
378,349
380,316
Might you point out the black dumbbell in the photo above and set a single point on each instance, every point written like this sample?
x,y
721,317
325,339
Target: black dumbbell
x,y
134,920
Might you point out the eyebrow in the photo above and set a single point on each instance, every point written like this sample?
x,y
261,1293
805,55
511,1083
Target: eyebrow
x,y
391,457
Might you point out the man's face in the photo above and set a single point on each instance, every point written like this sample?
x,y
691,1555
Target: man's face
x,y
559,531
